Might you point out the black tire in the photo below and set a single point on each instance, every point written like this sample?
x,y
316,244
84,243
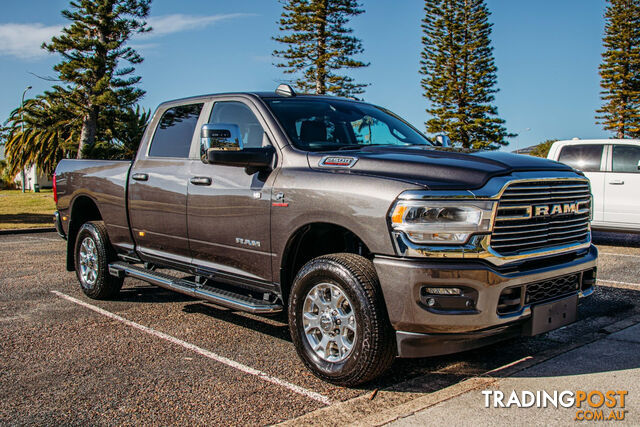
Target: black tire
x,y
104,286
373,349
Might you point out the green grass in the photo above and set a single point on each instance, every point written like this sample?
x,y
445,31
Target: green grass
x,y
26,210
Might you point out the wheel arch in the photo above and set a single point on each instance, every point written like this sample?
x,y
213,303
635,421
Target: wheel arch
x,y
83,209
312,240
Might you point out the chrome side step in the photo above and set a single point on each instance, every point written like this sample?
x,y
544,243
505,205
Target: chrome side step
x,y
217,296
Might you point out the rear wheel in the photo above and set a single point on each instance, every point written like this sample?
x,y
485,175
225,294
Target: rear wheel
x,y
93,252
338,320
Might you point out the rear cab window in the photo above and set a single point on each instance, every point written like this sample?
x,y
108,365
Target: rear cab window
x,y
586,158
175,130
626,159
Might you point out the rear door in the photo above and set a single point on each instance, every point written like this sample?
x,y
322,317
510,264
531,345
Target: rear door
x,y
228,211
589,158
158,187
622,186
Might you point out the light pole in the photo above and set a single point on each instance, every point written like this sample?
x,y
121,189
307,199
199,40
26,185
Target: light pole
x,y
518,140
22,132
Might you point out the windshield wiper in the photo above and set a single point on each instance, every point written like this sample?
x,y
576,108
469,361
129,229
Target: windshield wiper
x,y
350,147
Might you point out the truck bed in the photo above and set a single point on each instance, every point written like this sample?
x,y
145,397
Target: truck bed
x,y
105,183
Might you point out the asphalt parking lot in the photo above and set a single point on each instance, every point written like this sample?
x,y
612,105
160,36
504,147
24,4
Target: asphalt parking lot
x,y
157,357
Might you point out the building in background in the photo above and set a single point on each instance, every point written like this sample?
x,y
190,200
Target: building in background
x,y
34,177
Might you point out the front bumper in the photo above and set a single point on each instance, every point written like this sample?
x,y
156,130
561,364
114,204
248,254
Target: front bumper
x,y
421,331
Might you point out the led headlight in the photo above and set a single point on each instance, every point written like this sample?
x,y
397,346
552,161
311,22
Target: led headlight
x,y
444,221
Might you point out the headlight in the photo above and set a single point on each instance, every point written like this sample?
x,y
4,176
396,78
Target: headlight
x,y
441,221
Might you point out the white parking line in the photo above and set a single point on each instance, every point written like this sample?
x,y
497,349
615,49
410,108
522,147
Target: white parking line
x,y
206,353
47,239
624,255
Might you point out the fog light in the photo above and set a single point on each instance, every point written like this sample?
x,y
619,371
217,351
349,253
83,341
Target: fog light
x,y
431,302
442,291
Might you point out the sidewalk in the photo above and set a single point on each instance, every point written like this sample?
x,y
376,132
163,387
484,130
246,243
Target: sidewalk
x,y
611,363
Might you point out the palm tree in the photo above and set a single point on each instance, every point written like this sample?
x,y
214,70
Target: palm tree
x,y
367,121
47,130
43,132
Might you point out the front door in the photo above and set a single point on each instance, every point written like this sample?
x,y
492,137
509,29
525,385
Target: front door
x,y
228,208
622,186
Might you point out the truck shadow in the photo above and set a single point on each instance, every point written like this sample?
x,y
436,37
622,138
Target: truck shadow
x,y
608,306
609,238
274,326
145,293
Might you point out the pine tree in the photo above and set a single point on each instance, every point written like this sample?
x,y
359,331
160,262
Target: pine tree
x,y
318,44
620,69
91,48
460,75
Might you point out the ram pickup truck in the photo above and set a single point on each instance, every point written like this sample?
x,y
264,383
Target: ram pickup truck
x,y
374,241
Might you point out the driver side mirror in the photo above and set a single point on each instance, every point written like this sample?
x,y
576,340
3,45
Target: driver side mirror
x,y
219,137
221,144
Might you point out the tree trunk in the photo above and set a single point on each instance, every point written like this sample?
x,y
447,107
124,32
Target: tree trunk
x,y
89,128
321,65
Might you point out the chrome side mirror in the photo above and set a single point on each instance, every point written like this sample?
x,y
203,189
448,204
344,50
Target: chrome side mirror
x,y
443,140
219,137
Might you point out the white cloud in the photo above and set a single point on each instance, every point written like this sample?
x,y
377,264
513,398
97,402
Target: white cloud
x,y
168,24
24,40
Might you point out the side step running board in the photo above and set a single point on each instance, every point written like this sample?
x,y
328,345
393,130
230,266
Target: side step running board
x,y
208,293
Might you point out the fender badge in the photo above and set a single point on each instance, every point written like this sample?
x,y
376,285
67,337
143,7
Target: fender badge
x,y
338,161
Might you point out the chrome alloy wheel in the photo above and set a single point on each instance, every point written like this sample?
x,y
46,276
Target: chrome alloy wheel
x,y
89,262
329,322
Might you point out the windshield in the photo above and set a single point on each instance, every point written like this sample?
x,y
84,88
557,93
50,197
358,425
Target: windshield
x,y
322,124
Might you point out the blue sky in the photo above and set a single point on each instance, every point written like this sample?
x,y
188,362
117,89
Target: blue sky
x,y
547,53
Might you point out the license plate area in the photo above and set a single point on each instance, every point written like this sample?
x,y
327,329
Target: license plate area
x,y
552,315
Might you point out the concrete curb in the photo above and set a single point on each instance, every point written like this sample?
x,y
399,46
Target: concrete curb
x,y
397,407
27,230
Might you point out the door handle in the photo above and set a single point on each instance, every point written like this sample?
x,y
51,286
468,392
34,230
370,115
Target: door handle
x,y
616,182
140,176
200,180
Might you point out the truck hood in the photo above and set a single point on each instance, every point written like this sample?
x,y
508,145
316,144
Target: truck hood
x,y
430,167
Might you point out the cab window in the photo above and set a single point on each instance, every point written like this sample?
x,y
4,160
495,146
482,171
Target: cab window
x,y
237,113
175,131
586,158
626,158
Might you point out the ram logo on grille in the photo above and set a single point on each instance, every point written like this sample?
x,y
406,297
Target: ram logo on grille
x,y
564,208
535,216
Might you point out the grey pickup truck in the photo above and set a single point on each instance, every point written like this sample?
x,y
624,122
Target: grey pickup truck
x,y
375,241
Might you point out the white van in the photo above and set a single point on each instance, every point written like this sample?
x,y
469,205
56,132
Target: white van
x,y
613,167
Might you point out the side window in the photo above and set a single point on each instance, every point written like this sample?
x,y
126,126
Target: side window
x,y
586,158
232,112
626,158
175,131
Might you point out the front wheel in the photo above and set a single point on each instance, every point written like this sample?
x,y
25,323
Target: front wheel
x,y
93,253
338,320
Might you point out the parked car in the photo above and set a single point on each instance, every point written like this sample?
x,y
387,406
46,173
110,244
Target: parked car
x,y
376,242
613,167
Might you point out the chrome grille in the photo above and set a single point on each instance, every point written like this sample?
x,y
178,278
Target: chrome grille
x,y
517,229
